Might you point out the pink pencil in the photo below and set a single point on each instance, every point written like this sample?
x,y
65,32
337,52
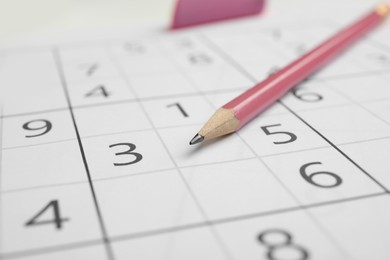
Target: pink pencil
x,y
236,113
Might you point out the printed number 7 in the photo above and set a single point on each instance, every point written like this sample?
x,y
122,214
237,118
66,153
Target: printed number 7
x,y
292,137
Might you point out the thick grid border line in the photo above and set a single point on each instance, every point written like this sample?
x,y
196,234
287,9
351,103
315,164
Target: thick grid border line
x,y
106,240
181,176
195,124
239,67
1,175
152,233
232,61
186,166
223,91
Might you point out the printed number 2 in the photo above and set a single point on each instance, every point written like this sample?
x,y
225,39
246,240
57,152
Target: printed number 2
x,y
137,156
292,137
57,220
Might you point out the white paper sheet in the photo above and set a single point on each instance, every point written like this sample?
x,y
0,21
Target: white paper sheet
x,y
95,161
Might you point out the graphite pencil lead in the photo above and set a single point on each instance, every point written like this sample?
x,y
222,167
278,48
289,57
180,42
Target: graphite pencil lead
x,y
197,139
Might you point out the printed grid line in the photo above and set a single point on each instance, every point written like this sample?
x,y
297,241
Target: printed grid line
x,y
202,94
369,38
50,249
196,124
151,233
182,71
253,79
106,240
1,179
184,167
184,181
348,75
307,206
292,25
187,166
327,234
322,79
336,148
359,104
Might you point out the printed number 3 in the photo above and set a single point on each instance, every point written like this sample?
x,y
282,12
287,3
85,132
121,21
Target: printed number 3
x,y
136,156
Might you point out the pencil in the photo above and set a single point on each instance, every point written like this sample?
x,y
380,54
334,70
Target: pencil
x,y
239,111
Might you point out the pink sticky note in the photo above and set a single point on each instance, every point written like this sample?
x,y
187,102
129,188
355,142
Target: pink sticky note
x,y
194,12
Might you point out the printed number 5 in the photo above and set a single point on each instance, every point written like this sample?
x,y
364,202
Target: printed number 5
x,y
137,156
292,137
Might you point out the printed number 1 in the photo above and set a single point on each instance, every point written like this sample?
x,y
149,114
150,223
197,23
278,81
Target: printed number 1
x,y
181,109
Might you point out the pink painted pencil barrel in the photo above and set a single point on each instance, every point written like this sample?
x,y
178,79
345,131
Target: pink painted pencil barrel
x,y
256,99
239,111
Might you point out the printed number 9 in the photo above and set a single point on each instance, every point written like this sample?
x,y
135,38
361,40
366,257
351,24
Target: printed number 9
x,y
40,124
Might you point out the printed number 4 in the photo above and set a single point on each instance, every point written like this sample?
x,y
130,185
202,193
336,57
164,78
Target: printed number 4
x,y
57,220
98,92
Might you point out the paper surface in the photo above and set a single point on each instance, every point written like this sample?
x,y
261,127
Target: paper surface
x,y
95,162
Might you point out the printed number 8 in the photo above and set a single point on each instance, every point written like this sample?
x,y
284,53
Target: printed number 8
x,y
276,246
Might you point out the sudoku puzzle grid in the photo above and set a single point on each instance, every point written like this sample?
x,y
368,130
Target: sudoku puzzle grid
x,y
95,162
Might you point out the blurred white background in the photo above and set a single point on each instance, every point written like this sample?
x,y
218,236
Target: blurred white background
x,y
33,18
24,17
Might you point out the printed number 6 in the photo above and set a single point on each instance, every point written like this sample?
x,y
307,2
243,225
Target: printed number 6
x,y
307,96
310,177
137,156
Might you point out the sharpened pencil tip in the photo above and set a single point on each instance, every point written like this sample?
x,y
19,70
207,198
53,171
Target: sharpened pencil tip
x,y
197,139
